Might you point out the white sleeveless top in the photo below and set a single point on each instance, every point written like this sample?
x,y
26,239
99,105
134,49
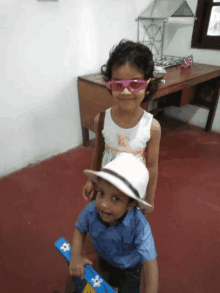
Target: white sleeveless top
x,y
119,139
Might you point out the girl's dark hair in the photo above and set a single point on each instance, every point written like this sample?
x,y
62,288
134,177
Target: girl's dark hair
x,y
137,55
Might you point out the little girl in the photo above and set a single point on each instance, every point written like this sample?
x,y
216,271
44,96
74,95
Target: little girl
x,y
127,127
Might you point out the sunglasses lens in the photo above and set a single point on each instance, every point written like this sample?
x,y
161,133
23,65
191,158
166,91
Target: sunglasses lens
x,y
133,85
116,87
136,85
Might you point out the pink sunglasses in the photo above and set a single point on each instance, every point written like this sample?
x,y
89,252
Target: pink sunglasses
x,y
132,85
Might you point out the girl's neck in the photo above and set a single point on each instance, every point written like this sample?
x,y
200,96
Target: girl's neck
x,y
126,119
126,114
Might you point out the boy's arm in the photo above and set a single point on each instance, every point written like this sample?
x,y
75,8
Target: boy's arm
x,y
150,277
77,262
77,243
152,158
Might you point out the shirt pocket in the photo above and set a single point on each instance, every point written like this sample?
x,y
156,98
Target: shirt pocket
x,y
127,245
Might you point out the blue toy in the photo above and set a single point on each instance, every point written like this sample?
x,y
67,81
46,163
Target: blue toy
x,y
90,275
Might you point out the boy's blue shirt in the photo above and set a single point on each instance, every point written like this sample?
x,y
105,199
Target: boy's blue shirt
x,y
124,244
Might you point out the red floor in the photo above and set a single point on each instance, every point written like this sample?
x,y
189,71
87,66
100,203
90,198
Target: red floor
x,y
41,204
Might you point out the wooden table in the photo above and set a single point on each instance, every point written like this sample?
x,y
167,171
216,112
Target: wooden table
x,y
182,86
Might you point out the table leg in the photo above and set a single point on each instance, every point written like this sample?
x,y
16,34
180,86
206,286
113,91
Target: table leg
x,y
187,95
215,98
85,133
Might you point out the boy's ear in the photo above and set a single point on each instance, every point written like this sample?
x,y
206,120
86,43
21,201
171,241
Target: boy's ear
x,y
132,205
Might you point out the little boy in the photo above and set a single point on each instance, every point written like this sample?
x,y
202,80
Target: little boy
x,y
120,233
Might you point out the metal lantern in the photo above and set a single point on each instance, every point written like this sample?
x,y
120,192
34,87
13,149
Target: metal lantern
x,y
152,24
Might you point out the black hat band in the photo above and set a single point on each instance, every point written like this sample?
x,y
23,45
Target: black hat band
x,y
122,179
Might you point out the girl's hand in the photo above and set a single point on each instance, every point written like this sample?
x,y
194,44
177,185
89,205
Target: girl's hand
x,y
148,210
77,263
88,189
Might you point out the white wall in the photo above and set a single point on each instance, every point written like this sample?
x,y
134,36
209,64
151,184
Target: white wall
x,y
178,42
44,46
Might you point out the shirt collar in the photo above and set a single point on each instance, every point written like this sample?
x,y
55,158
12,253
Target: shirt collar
x,y
129,217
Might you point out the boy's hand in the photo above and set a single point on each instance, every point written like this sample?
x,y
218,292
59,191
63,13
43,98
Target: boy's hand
x,y
88,189
76,267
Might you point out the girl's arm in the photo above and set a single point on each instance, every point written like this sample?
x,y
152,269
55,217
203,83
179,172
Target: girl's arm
x,y
152,158
150,277
97,152
88,190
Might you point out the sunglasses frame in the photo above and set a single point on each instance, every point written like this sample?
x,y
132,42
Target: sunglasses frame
x,y
126,83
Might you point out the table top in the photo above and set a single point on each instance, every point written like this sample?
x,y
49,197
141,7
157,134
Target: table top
x,y
176,78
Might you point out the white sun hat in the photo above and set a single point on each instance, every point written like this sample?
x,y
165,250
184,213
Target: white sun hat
x,y
126,172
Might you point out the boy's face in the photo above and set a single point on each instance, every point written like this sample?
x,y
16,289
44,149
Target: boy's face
x,y
111,203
